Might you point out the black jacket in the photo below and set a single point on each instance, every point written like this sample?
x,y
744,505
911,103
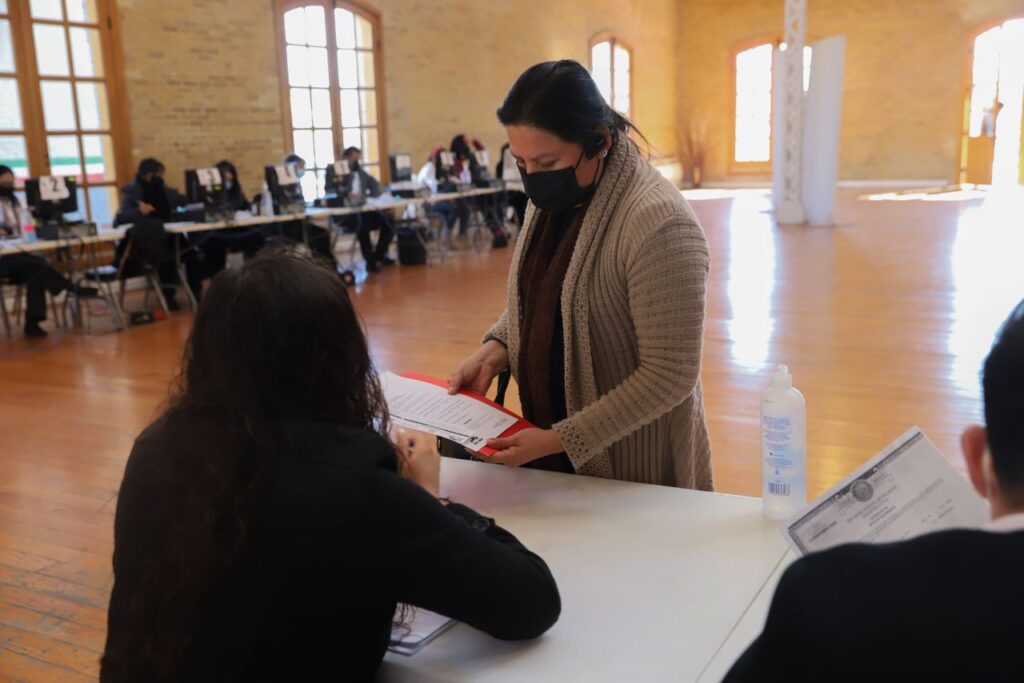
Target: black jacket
x,y
947,606
334,539
133,193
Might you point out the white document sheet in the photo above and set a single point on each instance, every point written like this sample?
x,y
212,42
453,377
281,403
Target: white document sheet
x,y
429,408
907,490
422,628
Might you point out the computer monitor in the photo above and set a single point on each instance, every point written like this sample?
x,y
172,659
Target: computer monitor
x,y
482,157
50,197
509,168
401,167
338,175
283,182
204,186
444,162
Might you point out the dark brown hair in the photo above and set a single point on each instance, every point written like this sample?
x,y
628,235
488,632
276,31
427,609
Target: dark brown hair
x,y
274,342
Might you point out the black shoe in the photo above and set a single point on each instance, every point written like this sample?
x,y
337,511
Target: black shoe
x,y
34,331
172,303
386,261
86,292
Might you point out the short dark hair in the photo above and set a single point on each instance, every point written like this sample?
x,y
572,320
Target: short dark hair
x,y
4,170
294,158
149,165
1003,384
349,151
562,98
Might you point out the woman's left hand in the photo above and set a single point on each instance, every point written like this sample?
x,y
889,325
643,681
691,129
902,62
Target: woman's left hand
x,y
526,446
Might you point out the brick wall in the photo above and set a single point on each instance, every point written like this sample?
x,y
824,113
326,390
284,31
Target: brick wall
x,y
201,79
902,93
202,75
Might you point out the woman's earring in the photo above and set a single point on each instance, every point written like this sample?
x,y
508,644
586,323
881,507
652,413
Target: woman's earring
x,y
604,153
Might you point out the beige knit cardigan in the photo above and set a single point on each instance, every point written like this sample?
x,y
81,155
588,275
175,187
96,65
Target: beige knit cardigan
x,y
633,316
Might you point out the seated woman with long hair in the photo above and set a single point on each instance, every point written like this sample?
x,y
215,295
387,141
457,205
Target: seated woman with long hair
x,y
267,527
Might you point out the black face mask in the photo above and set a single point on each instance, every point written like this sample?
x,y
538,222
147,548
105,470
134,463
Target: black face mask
x,y
556,190
354,166
6,191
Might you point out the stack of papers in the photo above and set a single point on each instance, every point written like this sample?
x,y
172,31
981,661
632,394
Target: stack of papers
x,y
427,407
907,490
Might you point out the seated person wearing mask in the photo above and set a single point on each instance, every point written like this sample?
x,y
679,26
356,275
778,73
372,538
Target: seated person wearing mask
x,y
148,197
428,176
945,606
30,270
516,199
464,149
319,239
361,185
219,242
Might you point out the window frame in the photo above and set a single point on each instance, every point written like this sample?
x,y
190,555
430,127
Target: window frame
x,y
29,84
750,167
615,41
369,14
754,167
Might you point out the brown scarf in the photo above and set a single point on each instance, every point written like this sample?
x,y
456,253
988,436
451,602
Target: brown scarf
x,y
543,272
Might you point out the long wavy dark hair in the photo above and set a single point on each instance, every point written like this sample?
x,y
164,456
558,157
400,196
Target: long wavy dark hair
x,y
274,342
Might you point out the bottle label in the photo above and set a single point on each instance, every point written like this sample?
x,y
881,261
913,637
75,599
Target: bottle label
x,y
777,455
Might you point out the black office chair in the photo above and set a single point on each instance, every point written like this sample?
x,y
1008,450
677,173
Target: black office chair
x,y
146,250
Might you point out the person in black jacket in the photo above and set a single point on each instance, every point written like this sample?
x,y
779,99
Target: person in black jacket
x,y
360,186
946,606
217,243
266,526
148,196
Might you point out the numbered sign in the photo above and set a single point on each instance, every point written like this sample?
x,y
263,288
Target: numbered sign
x,y
483,158
509,168
403,161
341,168
52,188
208,177
447,160
287,174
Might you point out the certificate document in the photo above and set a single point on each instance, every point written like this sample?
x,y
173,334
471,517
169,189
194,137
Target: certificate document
x,y
907,490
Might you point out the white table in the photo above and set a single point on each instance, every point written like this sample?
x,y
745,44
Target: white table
x,y
748,628
19,246
654,580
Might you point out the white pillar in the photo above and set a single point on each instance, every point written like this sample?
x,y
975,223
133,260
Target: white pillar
x,y
821,130
789,123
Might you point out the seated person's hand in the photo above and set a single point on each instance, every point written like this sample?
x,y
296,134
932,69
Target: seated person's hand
x,y
146,209
422,462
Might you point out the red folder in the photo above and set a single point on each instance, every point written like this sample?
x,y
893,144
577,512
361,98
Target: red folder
x,y
519,426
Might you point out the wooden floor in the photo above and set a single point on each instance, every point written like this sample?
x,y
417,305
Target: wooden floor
x,y
884,320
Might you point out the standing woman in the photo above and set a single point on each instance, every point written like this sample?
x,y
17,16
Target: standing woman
x,y
605,307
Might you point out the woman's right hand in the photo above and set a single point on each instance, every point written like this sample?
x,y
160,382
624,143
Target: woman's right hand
x,y
478,371
422,462
146,209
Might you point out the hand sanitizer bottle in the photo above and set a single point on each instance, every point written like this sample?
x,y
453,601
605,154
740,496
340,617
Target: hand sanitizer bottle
x,y
783,447
28,225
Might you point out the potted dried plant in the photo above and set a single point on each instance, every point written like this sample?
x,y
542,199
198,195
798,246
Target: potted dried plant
x,y
695,147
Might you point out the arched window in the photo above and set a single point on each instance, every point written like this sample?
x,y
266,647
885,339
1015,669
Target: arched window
x,y
331,83
752,134
610,64
60,89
